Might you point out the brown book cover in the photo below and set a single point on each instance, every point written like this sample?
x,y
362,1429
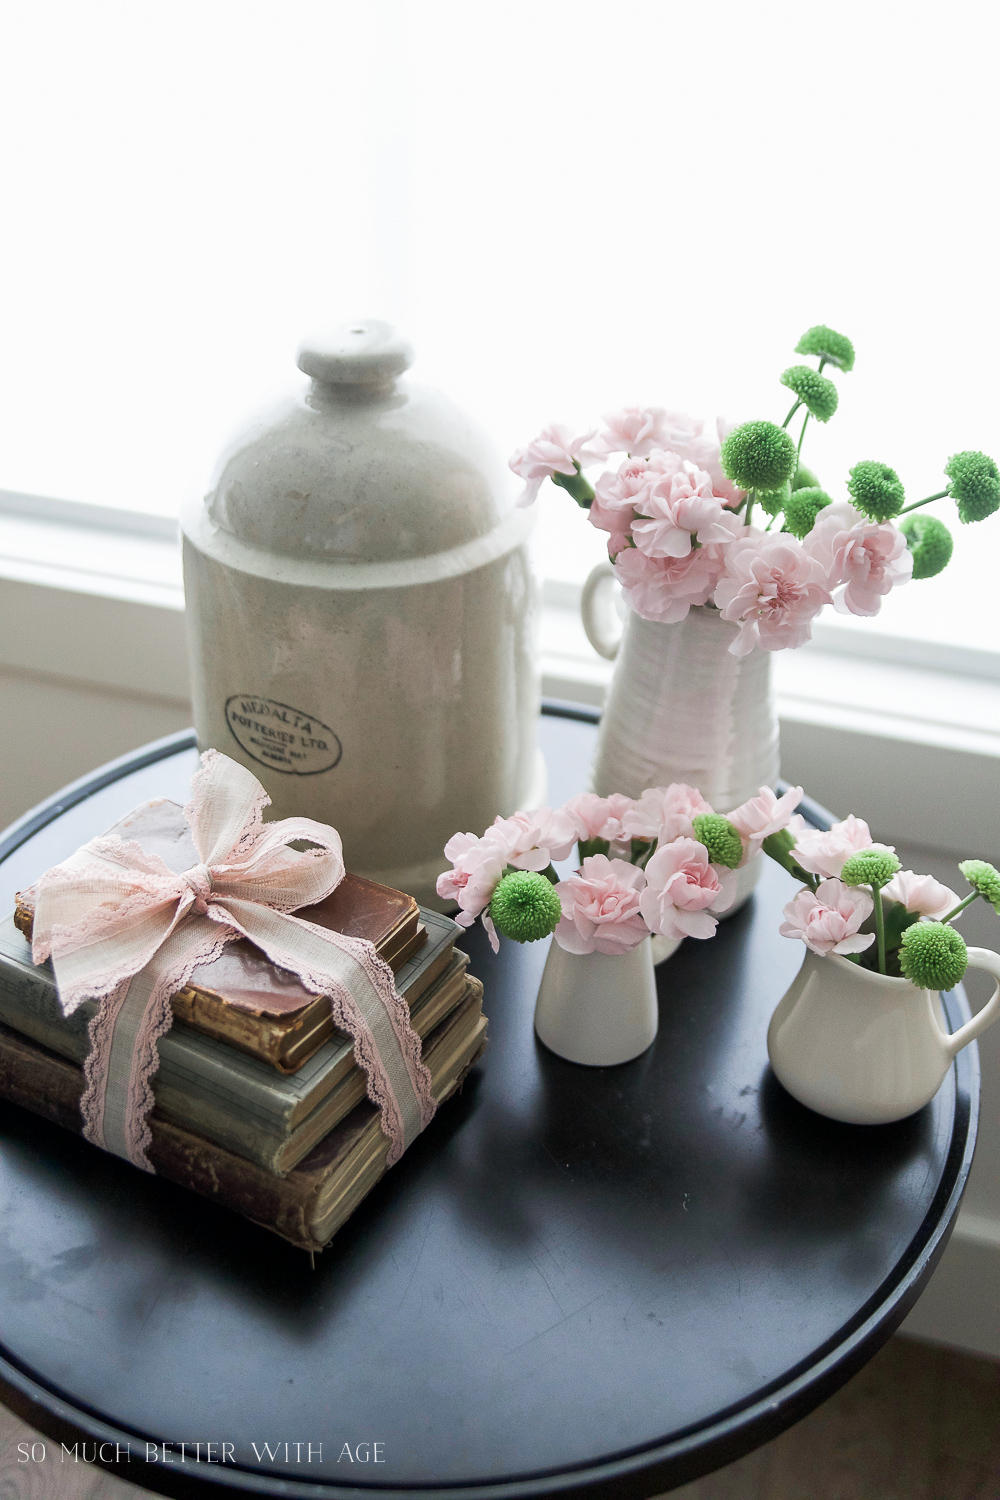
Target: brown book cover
x,y
240,997
309,1205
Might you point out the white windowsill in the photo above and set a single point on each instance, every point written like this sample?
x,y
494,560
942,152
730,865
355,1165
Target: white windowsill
x,y
96,595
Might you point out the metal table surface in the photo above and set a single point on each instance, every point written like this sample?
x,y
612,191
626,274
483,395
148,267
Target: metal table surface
x,y
577,1281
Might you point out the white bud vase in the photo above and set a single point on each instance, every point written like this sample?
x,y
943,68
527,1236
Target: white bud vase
x,y
597,1008
866,1048
681,707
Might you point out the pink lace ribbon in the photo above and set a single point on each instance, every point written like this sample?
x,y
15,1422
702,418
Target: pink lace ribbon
x,y
121,927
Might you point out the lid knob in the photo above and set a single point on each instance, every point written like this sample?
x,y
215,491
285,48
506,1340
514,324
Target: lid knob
x,y
365,352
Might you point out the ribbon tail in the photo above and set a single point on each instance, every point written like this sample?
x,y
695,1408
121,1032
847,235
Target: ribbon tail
x,y
365,1005
129,1023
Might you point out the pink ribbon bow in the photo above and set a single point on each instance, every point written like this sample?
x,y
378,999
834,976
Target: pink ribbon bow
x,y
121,927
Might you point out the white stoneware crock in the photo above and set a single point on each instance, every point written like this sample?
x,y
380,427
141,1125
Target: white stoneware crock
x,y
597,1008
362,613
863,1047
681,707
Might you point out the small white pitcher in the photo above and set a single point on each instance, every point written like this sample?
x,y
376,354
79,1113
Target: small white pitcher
x,y
865,1048
597,1008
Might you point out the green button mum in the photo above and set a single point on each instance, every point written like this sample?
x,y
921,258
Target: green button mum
x,y
759,456
834,347
804,479
933,955
876,490
802,509
984,878
774,501
720,838
975,485
525,907
813,389
930,542
870,867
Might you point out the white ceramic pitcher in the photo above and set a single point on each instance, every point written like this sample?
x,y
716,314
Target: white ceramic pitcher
x,y
598,1008
863,1047
681,707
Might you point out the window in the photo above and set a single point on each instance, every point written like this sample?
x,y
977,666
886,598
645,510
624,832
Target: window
x,y
568,205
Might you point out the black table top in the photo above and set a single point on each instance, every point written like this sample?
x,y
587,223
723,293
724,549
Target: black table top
x,y
601,1281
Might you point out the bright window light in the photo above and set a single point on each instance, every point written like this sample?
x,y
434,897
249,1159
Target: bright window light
x,y
568,204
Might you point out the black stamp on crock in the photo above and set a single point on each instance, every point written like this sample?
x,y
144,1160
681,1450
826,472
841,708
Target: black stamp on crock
x,y
281,737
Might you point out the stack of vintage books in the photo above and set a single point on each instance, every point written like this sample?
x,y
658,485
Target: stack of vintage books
x,y
259,1102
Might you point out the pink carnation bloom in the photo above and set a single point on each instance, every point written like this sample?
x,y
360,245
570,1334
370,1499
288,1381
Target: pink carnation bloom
x,y
533,840
615,498
922,894
599,817
828,921
772,588
637,430
866,557
683,889
478,867
601,907
676,508
665,813
823,852
763,815
706,453
666,588
552,452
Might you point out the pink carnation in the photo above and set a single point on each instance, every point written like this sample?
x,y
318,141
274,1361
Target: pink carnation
x,y
601,907
683,889
533,840
922,894
552,452
763,815
677,507
478,867
866,557
665,813
596,817
615,497
706,453
665,589
823,852
772,588
828,921
637,430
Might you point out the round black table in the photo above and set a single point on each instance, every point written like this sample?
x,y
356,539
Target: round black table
x,y
578,1281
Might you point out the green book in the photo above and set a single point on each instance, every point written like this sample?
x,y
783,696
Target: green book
x,y
221,1093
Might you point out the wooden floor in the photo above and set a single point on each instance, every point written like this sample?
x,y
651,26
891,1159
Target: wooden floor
x,y
918,1423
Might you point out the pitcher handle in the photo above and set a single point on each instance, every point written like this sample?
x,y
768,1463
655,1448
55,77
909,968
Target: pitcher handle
x,y
598,622
979,958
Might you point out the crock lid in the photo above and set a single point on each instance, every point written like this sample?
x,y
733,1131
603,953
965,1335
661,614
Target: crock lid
x,y
365,352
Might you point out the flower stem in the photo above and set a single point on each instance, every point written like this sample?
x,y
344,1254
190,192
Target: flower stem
x,y
751,495
917,503
879,926
960,907
802,434
791,413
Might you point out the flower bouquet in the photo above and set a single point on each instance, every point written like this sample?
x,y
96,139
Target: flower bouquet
x,y
662,864
725,547
859,1035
